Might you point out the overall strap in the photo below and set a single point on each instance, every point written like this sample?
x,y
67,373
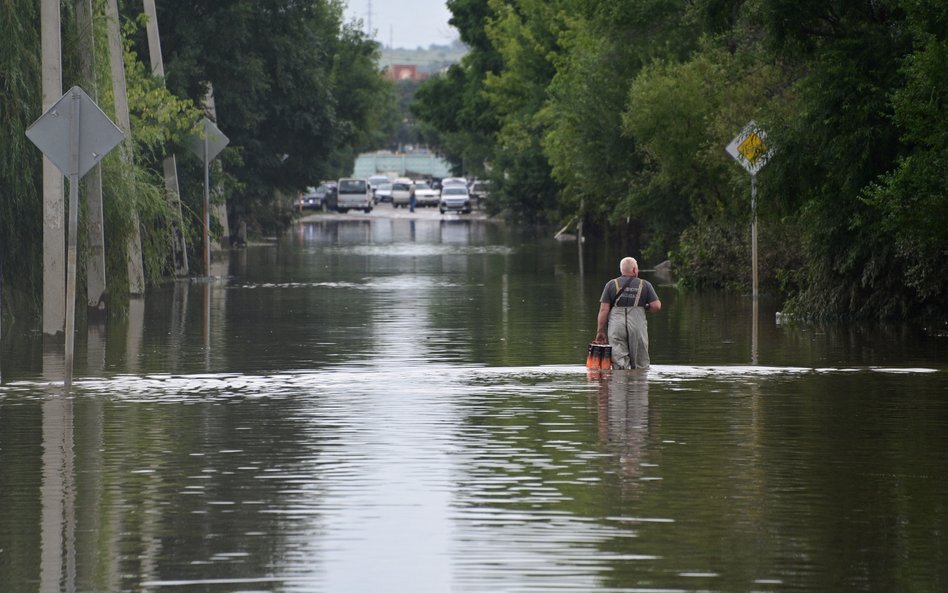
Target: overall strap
x,y
639,294
620,291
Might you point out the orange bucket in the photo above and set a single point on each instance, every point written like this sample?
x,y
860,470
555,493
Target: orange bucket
x,y
599,356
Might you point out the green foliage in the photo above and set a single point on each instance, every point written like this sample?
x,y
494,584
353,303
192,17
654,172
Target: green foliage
x,y
297,93
20,198
364,97
589,163
134,194
717,254
453,108
627,107
158,117
911,200
526,34
841,140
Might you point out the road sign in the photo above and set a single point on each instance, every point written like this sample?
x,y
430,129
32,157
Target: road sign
x,y
207,144
74,135
51,133
210,135
749,148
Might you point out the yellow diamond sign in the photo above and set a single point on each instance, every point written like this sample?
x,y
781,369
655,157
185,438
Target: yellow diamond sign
x,y
750,149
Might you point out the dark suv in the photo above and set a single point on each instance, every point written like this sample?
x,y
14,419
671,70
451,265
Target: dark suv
x,y
320,198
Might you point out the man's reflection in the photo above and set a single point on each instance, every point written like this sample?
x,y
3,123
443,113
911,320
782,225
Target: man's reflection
x,y
622,401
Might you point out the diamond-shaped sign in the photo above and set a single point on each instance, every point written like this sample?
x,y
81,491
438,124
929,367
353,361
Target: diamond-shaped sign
x,y
97,135
216,140
750,149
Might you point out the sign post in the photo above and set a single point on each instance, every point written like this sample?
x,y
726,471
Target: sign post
x,y
207,144
75,135
750,150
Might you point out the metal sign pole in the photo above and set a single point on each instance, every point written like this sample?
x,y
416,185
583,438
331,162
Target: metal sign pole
x,y
73,231
74,146
754,233
751,151
207,203
755,305
206,143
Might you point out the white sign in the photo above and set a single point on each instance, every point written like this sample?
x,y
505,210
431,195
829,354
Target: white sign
x,y
52,133
750,148
209,135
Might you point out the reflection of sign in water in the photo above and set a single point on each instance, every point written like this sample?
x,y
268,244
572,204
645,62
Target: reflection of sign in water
x,y
750,149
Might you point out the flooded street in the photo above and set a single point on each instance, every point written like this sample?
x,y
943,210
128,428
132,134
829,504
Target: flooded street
x,y
375,403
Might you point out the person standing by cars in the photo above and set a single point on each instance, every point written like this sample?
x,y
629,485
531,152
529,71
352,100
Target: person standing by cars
x,y
411,199
622,308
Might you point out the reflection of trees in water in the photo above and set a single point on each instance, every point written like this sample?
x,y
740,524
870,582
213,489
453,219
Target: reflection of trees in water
x,y
622,401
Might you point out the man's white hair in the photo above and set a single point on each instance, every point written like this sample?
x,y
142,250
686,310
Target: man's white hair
x,y
628,265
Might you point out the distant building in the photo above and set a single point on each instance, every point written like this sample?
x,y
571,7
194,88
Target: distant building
x,y
417,163
404,72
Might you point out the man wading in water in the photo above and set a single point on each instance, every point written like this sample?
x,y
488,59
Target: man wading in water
x,y
622,306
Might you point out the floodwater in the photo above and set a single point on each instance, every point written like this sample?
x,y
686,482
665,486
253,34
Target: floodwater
x,y
385,404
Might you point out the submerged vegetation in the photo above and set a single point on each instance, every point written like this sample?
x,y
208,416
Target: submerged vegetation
x,y
620,112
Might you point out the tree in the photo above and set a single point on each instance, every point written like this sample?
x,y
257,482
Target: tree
x,y
20,200
620,111
838,141
911,199
452,108
297,92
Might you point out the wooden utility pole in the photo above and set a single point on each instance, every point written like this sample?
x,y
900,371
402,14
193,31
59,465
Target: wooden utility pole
x,y
133,249
95,265
179,244
54,210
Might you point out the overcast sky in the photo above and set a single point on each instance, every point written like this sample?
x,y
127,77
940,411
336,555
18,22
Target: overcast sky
x,y
405,23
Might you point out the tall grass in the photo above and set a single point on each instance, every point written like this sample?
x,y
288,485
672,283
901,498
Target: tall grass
x,y
20,161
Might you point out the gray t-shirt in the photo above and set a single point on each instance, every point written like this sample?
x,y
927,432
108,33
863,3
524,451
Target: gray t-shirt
x,y
628,293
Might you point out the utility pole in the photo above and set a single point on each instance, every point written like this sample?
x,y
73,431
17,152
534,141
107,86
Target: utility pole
x,y
54,209
133,249
96,285
170,166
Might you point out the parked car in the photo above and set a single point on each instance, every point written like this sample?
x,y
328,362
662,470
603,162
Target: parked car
x,y
353,194
321,197
375,181
425,195
456,199
402,189
383,193
310,200
479,191
453,181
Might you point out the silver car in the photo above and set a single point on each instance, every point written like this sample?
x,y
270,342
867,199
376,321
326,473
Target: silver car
x,y
425,195
402,189
456,199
